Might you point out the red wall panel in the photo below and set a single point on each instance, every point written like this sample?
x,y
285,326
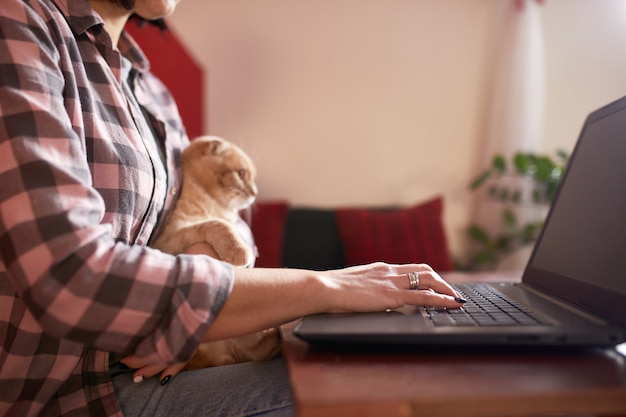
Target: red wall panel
x,y
170,61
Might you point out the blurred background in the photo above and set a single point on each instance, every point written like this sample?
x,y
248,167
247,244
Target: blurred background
x,y
392,102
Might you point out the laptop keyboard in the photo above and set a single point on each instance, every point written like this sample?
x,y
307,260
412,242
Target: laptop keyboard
x,y
485,306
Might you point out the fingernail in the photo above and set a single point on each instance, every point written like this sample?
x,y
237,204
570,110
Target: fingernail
x,y
138,379
460,300
166,379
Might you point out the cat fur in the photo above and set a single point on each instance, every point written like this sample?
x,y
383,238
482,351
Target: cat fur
x,y
218,182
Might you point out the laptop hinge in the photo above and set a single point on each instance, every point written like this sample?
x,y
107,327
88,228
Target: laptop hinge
x,y
572,308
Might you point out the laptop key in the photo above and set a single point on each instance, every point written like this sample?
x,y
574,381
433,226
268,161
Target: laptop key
x,y
485,307
442,319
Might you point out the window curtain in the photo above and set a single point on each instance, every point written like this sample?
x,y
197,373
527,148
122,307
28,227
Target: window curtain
x,y
515,105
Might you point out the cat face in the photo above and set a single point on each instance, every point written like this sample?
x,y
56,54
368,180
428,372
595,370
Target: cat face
x,y
224,170
238,181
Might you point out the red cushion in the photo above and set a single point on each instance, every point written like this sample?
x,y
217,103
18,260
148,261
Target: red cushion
x,y
268,227
405,235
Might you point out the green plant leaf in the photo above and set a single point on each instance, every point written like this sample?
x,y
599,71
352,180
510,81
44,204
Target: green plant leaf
x,y
509,218
522,163
478,234
545,174
544,169
530,231
563,155
557,173
480,180
539,193
499,163
503,243
484,258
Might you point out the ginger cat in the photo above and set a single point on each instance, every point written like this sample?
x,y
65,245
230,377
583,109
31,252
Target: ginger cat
x,y
218,182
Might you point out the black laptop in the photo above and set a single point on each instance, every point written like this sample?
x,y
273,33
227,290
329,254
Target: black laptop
x,y
573,289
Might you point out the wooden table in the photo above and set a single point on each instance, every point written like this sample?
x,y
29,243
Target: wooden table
x,y
455,384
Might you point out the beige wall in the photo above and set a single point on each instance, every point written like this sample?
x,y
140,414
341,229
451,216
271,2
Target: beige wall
x,y
378,102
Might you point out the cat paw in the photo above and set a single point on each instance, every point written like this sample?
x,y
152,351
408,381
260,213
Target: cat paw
x,y
239,256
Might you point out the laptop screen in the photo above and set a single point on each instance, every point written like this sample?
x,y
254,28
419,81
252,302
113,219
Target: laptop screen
x,y
581,253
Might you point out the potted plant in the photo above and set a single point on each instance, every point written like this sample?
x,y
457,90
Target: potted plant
x,y
526,180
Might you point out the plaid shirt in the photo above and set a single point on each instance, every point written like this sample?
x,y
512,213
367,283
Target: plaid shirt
x,y
82,191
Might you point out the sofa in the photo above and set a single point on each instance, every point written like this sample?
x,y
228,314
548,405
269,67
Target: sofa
x,y
329,238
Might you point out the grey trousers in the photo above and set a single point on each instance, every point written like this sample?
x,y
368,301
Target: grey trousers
x,y
246,389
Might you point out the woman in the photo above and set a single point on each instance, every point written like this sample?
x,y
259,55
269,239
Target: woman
x,y
89,165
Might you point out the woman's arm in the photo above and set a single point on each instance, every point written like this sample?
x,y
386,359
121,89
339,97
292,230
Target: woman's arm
x,y
264,298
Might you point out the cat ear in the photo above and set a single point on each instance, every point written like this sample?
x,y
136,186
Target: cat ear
x,y
214,147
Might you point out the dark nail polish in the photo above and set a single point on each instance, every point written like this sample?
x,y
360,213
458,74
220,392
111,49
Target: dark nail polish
x,y
460,300
166,379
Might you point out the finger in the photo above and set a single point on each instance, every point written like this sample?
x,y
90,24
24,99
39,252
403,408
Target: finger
x,y
147,371
375,268
132,362
428,278
170,372
432,280
406,268
142,371
434,299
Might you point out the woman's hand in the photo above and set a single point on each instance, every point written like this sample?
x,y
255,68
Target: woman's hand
x,y
380,286
143,371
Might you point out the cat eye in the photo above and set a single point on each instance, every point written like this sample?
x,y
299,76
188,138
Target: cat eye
x,y
241,173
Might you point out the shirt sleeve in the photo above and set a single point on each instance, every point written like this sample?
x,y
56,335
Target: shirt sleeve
x,y
78,280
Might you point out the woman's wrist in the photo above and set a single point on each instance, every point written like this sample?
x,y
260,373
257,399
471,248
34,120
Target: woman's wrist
x,y
320,290
263,298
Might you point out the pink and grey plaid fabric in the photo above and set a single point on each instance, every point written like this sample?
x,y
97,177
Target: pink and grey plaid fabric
x,y
82,191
